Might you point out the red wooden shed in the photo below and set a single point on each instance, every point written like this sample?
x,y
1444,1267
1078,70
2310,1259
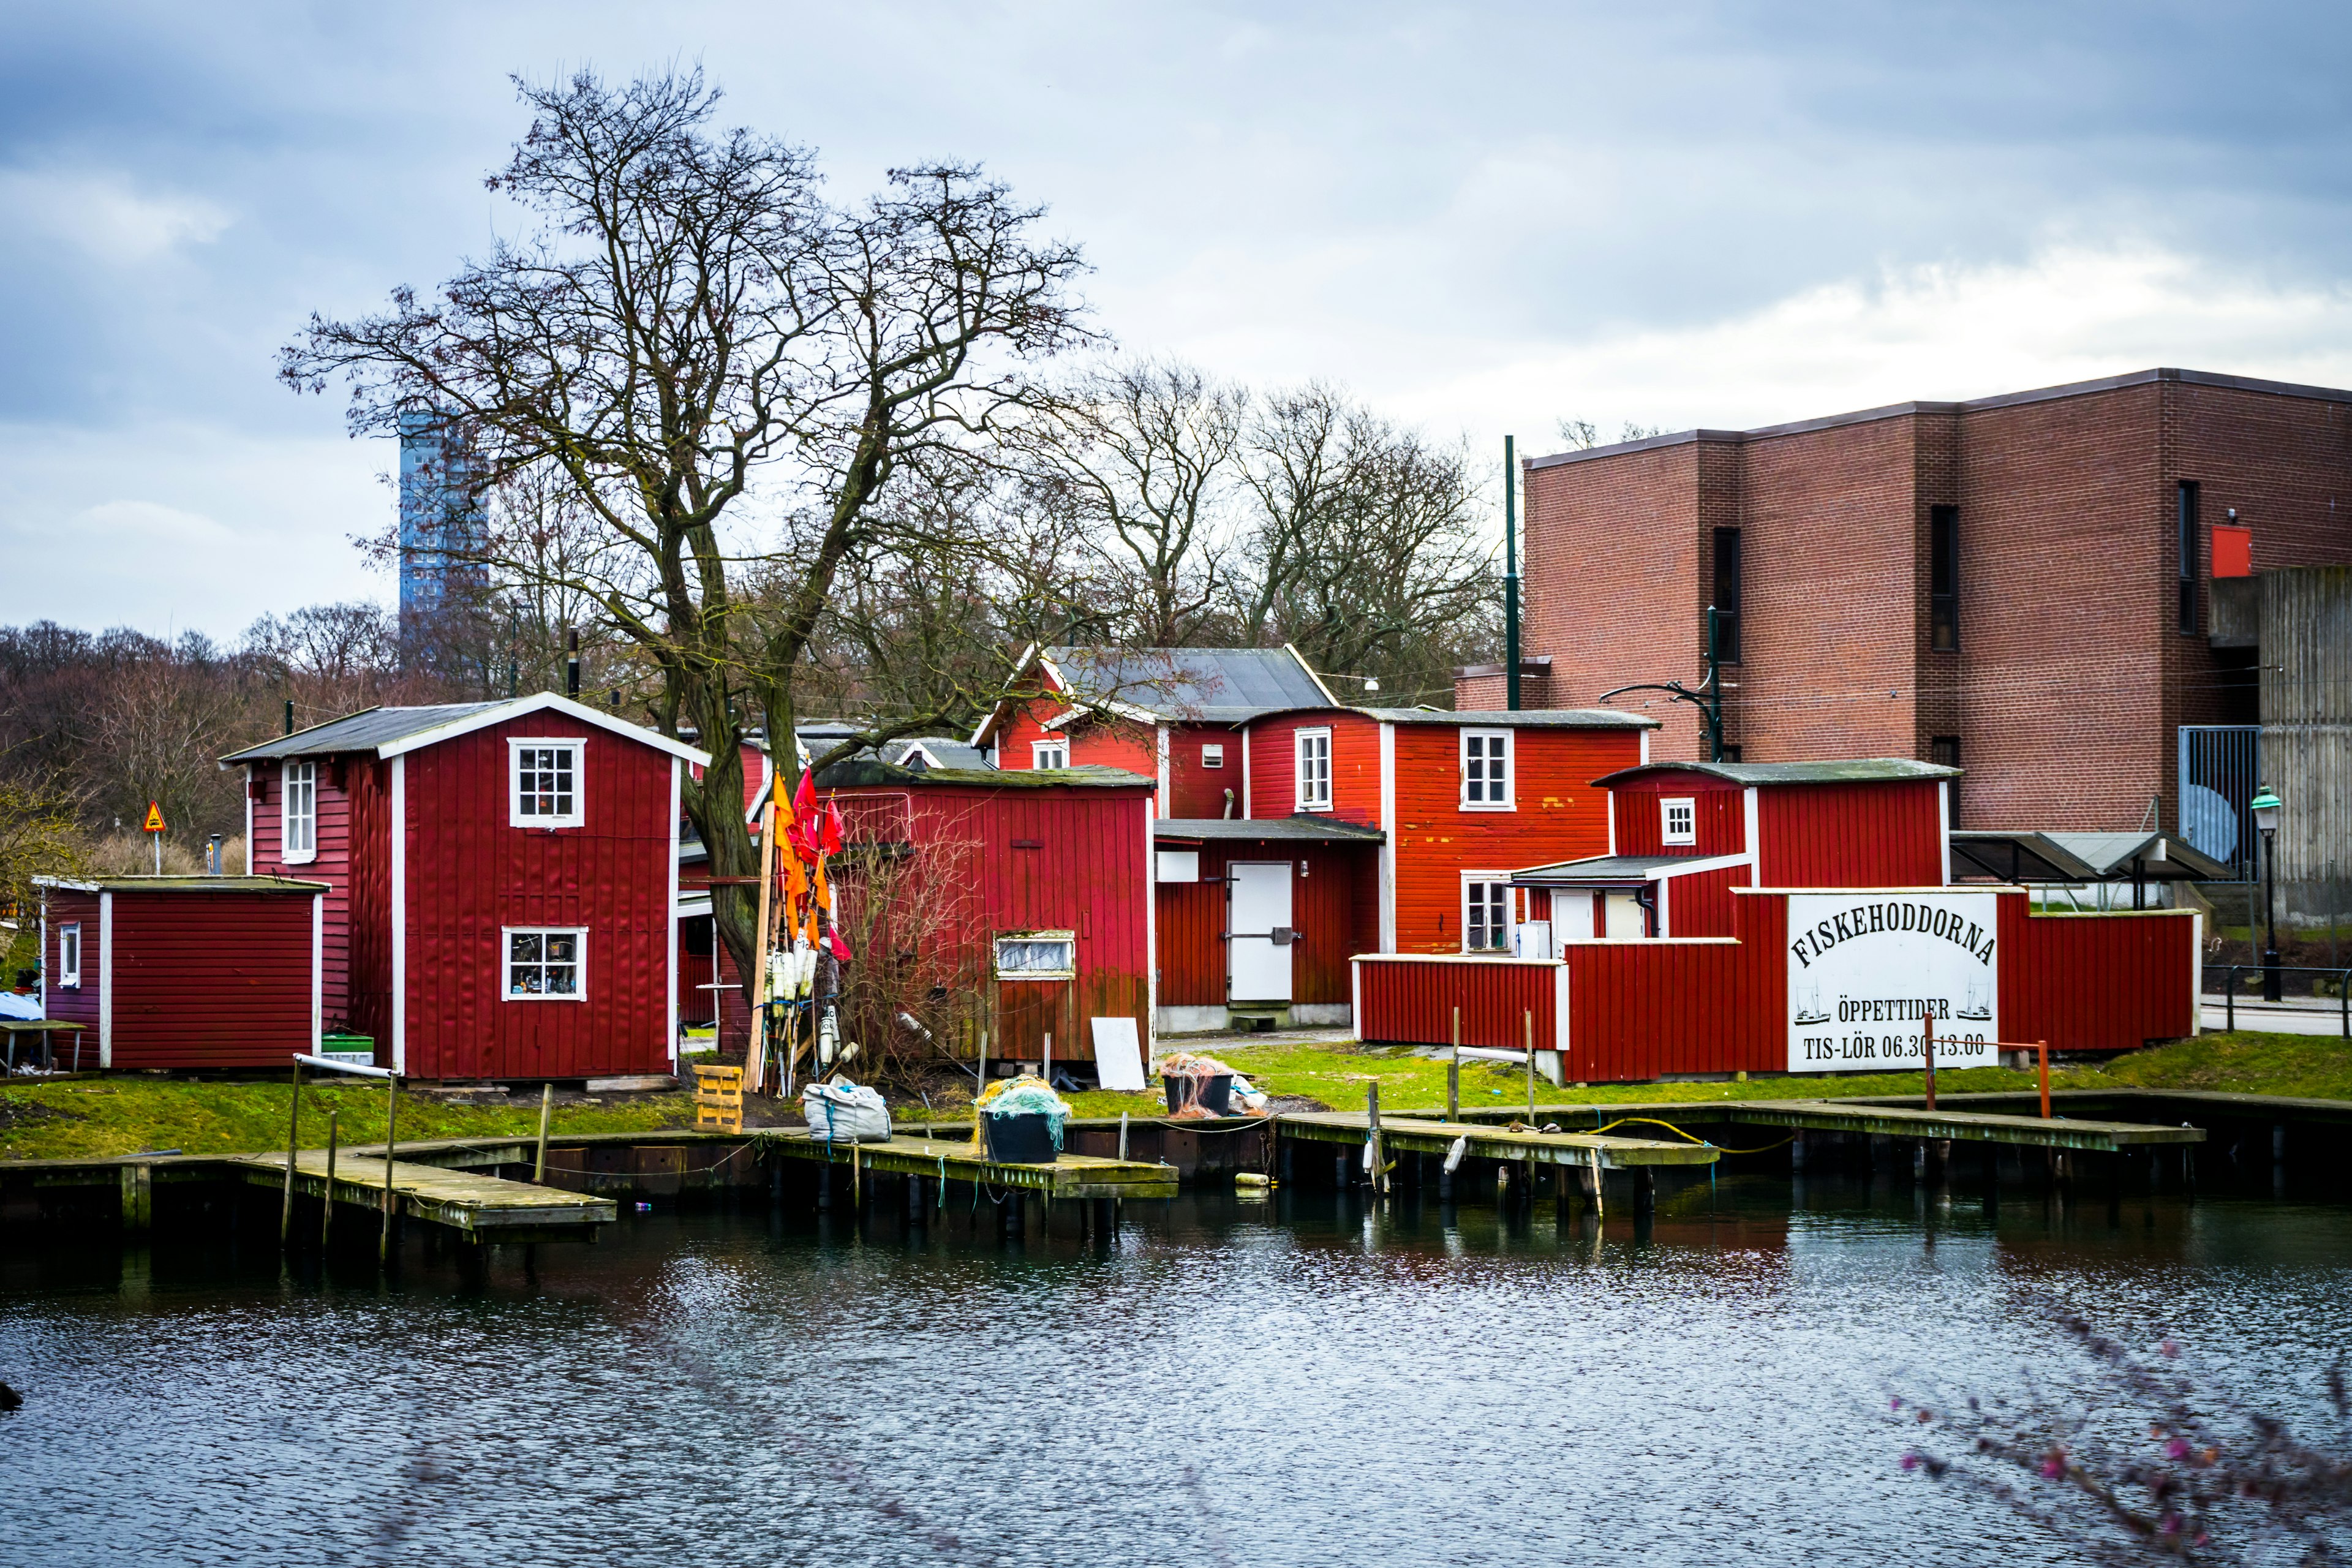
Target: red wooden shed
x,y
185,971
1043,875
502,881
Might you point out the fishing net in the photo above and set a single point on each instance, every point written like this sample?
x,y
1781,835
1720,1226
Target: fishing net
x,y
1188,1076
1025,1096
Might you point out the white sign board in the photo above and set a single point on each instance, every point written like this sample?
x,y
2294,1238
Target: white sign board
x,y
1867,968
1118,1058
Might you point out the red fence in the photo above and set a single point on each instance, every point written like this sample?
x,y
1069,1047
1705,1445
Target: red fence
x,y
1631,1010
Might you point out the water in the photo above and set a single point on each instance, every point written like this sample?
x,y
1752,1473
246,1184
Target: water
x,y
1225,1381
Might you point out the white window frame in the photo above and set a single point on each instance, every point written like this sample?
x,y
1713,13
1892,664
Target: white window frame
x,y
70,968
1212,754
1058,750
298,778
1666,805
1067,938
516,748
1305,745
1471,879
578,992
1492,796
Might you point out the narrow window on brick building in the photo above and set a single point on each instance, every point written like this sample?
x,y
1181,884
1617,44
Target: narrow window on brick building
x,y
1944,751
2187,553
1727,596
1944,578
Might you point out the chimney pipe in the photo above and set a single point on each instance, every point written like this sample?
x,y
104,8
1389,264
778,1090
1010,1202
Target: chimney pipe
x,y
572,663
289,715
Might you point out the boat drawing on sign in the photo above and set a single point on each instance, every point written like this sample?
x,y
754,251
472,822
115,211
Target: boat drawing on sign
x,y
1977,1005
1809,1006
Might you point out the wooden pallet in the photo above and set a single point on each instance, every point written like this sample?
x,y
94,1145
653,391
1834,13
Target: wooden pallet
x,y
718,1098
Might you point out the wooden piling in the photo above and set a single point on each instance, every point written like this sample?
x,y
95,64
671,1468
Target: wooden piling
x,y
546,1112
1530,1019
293,1144
327,1208
1454,1073
391,1131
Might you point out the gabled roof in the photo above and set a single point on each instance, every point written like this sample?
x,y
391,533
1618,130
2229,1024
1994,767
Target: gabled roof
x,y
937,752
1180,685
1857,769
390,732
1615,871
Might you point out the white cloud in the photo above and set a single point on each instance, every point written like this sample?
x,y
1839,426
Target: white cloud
x,y
1936,333
105,216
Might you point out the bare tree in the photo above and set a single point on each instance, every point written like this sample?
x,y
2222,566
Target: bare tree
x,y
1146,455
162,723
691,318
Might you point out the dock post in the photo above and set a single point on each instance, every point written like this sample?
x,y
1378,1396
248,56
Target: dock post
x,y
327,1209
1287,1146
1454,1073
1991,1175
546,1110
1919,1160
1341,1177
1797,1153
391,1128
824,1183
138,1198
293,1142
1645,1192
915,1201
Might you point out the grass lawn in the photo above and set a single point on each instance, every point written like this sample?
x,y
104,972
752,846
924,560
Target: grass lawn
x,y
126,1115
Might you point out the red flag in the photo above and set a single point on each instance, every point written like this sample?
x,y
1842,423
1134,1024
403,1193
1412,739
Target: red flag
x,y
840,948
805,798
829,837
803,808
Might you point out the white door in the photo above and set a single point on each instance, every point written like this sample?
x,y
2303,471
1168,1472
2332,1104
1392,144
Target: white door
x,y
1259,941
1623,917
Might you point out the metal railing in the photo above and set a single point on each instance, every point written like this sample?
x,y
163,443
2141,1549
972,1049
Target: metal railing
x,y
2230,989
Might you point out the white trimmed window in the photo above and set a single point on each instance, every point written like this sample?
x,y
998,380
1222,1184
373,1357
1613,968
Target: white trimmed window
x,y
1212,756
1049,753
1037,955
299,819
1313,770
545,784
546,964
1485,770
1486,912
1678,820
70,954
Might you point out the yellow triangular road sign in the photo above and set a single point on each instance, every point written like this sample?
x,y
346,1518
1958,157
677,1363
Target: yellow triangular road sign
x,y
154,818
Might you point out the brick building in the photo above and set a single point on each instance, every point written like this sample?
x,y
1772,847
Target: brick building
x,y
2020,584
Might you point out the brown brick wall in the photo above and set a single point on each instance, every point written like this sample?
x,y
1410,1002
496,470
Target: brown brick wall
x,y
2071,677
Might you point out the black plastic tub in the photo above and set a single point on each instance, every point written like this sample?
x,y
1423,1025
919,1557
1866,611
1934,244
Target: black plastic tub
x,y
1213,1094
1020,1140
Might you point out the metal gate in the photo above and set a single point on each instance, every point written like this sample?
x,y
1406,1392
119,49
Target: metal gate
x,y
2220,769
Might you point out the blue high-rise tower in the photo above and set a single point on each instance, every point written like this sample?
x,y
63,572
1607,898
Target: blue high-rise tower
x,y
443,525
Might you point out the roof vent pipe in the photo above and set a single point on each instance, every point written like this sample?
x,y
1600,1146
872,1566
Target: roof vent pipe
x,y
572,663
289,715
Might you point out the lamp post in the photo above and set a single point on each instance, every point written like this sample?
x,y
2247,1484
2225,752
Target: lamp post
x,y
2266,806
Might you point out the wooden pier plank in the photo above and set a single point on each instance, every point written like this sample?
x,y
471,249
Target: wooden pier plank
x,y
1885,1117
1408,1134
486,1208
1071,1176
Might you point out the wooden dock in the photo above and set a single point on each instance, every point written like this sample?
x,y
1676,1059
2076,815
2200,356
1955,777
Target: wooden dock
x,y
956,1159
1409,1134
484,1208
1888,1118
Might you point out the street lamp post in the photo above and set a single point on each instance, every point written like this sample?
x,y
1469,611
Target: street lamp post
x,y
2266,806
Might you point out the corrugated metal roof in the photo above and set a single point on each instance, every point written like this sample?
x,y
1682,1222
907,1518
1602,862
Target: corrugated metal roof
x,y
948,751
2024,856
1601,869
361,731
1288,829
1857,769
862,773
1212,685
1518,719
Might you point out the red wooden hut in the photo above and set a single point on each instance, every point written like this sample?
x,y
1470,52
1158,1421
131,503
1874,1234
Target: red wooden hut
x,y
185,971
502,881
1042,877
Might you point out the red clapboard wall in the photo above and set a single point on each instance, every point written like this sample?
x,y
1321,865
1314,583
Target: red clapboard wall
x,y
470,874
1355,766
1876,835
1703,902
1195,789
1637,1009
1334,907
339,780
1412,998
186,976
366,1007
1721,809
1093,740
1072,857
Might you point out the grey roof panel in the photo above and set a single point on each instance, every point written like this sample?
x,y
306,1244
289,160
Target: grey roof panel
x,y
1263,829
1516,719
1602,869
1855,770
1212,685
2026,856
951,751
866,772
191,884
361,731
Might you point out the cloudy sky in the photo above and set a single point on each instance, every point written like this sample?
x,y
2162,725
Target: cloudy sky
x,y
1484,219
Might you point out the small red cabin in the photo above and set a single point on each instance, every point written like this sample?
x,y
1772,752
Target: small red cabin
x,y
502,882
184,972
1040,878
